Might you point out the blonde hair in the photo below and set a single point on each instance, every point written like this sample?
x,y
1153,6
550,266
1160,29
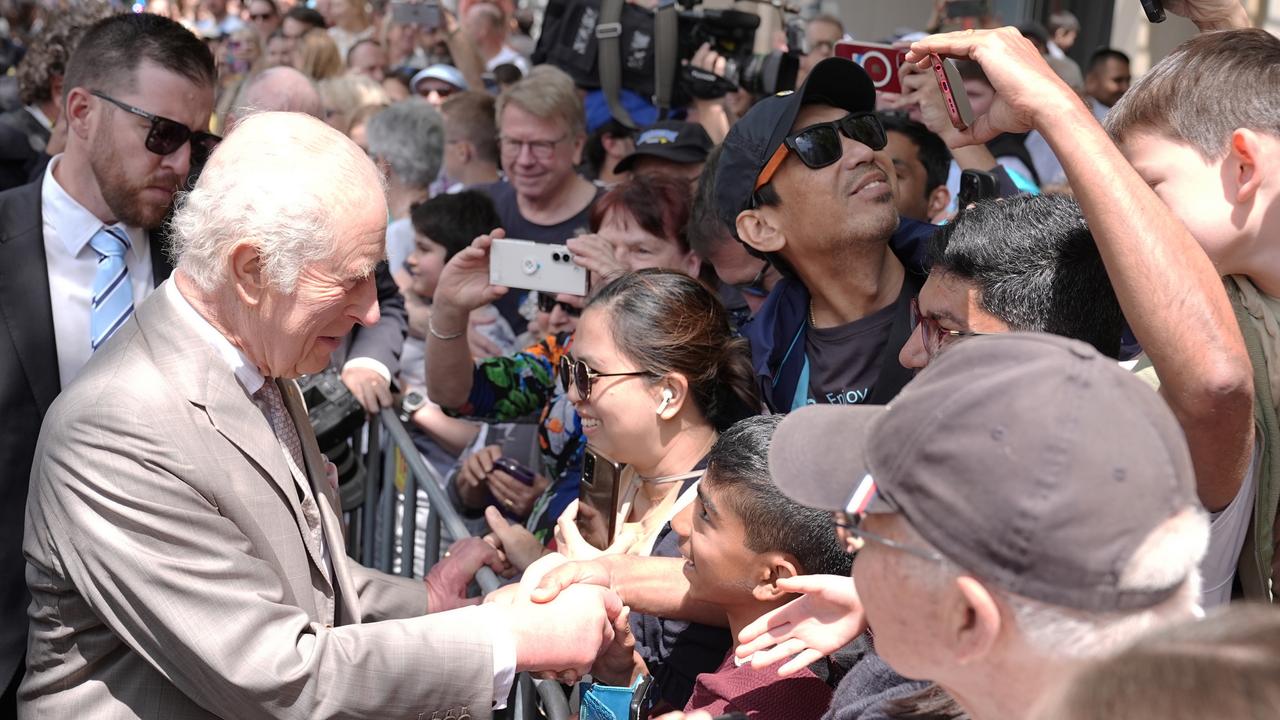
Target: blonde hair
x,y
318,57
546,92
347,94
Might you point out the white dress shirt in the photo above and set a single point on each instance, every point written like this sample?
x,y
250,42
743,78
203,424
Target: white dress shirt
x,y
501,641
68,227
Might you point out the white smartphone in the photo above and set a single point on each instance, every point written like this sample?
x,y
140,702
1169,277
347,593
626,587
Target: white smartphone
x,y
529,265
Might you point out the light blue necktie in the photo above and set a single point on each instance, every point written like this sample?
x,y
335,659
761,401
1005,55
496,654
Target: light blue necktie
x,y
112,301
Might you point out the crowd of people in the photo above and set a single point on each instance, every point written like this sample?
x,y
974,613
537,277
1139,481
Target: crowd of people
x,y
878,449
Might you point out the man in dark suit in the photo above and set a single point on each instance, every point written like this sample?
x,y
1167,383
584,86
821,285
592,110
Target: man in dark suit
x,y
92,212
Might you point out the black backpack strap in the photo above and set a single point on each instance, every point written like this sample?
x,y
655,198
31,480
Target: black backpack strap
x,y
609,48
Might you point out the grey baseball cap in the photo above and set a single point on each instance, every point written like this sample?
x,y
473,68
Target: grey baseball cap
x,y
1030,460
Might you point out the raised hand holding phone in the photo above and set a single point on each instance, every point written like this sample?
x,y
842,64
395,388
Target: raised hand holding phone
x,y
1026,88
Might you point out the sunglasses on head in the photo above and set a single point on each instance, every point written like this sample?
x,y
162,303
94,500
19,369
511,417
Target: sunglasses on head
x,y
548,303
819,145
166,136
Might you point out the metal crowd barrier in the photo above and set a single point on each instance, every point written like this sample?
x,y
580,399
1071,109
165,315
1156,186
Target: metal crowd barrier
x,y
388,446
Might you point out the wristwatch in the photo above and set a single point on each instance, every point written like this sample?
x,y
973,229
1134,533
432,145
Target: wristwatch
x,y
410,404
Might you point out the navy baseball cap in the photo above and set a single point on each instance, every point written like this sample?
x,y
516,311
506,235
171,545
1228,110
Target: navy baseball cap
x,y
752,140
674,140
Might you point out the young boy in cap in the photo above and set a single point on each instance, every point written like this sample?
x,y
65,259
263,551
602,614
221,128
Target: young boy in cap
x,y
1024,505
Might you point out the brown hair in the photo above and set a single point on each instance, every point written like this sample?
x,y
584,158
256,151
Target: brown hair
x,y
1204,90
668,322
470,114
318,57
49,53
659,204
1226,666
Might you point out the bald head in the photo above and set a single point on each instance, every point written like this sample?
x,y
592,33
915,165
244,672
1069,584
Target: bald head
x,y
279,89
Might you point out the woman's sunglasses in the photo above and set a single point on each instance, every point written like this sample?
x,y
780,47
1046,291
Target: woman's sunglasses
x,y
548,303
819,145
576,372
166,136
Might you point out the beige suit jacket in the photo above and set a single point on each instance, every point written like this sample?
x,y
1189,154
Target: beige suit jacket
x,y
174,575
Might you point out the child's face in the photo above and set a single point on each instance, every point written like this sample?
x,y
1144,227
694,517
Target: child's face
x,y
1199,192
720,568
424,265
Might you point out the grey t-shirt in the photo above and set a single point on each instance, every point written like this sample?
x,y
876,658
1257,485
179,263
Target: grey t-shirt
x,y
844,361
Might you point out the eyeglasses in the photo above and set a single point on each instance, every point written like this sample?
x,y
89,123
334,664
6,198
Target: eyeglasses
x,y
166,136
847,525
756,286
936,337
541,149
576,372
547,303
819,145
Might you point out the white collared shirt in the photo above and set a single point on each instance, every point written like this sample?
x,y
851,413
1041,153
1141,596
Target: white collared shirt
x,y
68,227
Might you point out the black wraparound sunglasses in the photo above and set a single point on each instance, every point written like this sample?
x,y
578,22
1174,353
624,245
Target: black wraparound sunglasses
x,y
166,136
819,145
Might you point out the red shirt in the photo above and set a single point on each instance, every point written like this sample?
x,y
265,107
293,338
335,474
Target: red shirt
x,y
760,693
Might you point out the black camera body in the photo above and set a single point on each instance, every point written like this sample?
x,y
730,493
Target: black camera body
x,y
569,41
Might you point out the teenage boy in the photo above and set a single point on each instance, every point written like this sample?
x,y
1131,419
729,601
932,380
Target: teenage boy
x,y
743,536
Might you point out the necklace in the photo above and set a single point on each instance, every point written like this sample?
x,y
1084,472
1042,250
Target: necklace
x,y
812,322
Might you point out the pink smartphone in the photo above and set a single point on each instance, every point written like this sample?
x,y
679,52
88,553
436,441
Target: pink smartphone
x,y
880,61
958,107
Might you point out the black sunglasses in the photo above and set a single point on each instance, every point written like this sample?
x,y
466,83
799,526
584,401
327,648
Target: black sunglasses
x,y
819,145
576,372
166,136
548,303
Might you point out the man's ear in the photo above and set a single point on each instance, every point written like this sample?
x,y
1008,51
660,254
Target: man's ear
x,y
939,199
80,109
774,566
579,142
692,264
246,268
1247,158
972,620
757,229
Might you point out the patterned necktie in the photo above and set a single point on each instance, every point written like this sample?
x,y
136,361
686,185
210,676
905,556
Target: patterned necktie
x,y
112,301
272,404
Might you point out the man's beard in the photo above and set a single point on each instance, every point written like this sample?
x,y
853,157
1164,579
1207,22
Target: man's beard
x,y
124,199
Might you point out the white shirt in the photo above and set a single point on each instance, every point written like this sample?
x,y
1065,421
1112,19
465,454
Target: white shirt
x,y
68,227
502,643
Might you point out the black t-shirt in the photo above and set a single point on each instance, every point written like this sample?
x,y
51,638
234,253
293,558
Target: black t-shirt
x,y
845,361
503,195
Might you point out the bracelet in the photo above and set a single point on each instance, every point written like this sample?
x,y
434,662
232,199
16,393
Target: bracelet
x,y
431,328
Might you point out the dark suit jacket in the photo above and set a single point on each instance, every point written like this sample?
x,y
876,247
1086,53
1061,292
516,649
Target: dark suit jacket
x,y
29,382
22,148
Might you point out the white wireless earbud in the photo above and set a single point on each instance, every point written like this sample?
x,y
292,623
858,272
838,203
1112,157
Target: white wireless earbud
x,y
667,397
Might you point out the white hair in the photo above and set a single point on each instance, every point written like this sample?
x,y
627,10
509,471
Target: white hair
x,y
279,181
1169,556
409,136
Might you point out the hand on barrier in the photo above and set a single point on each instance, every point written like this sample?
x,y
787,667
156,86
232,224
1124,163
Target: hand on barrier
x,y
826,617
371,389
448,579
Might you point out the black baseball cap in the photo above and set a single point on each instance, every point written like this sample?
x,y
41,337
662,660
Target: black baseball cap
x,y
674,140
1029,460
752,140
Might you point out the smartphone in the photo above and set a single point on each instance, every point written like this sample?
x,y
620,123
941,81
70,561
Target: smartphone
x,y
598,488
966,9
880,61
529,265
423,14
976,185
1154,10
514,469
953,92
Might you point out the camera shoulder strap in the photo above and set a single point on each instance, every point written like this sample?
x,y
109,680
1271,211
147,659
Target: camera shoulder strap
x,y
608,33
666,39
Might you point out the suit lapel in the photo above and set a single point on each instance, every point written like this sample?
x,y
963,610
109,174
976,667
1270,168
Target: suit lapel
x,y
206,381
326,498
24,293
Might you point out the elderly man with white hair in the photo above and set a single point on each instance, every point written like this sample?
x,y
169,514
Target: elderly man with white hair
x,y
185,555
